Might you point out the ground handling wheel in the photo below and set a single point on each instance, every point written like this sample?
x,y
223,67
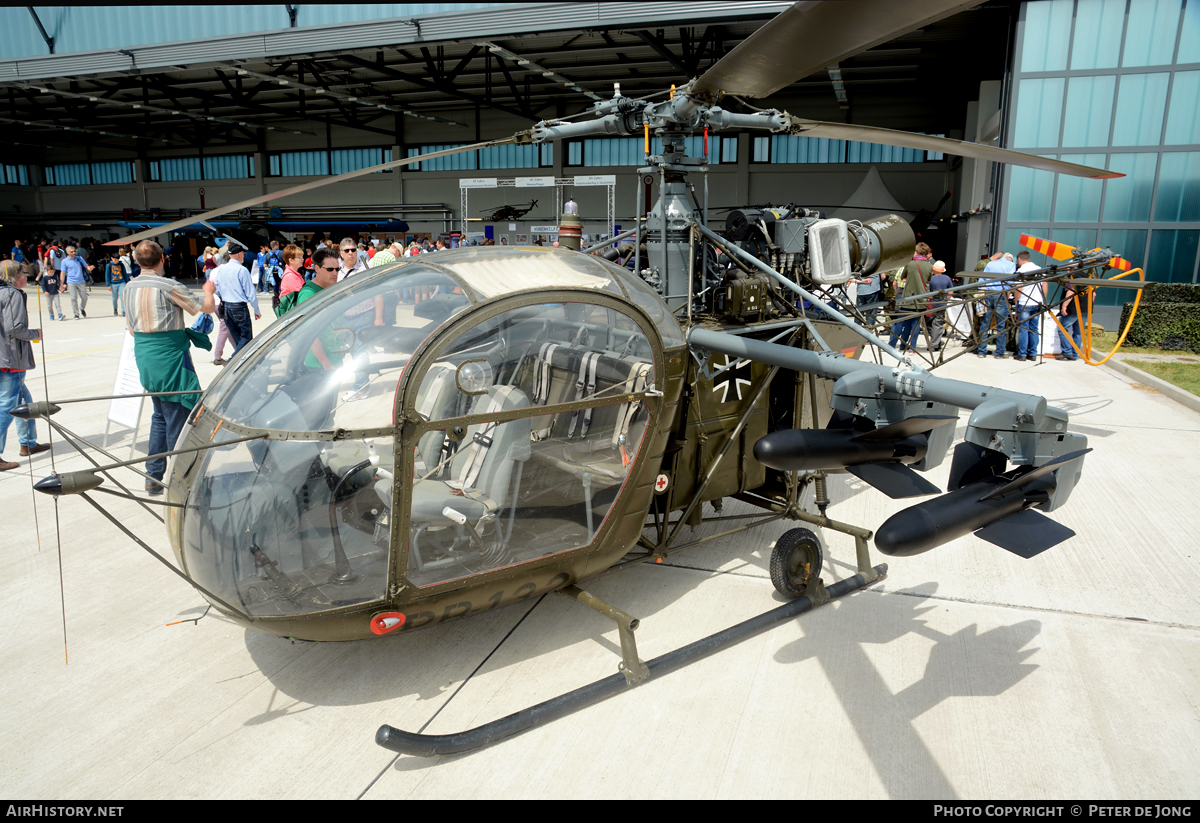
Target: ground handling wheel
x,y
795,562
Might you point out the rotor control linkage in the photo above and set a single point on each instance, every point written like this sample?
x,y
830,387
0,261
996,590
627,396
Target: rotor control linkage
x,y
432,745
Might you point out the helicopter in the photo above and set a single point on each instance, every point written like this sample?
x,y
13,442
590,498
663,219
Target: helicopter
x,y
507,212
456,432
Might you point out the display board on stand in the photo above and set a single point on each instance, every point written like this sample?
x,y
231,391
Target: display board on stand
x,y
465,184
126,411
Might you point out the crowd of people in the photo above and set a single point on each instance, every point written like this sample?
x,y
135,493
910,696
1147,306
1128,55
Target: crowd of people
x,y
144,287
980,324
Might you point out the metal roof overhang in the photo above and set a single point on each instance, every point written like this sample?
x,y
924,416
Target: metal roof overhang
x,y
506,20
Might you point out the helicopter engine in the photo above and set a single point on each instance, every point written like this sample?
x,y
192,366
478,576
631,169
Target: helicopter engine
x,y
814,249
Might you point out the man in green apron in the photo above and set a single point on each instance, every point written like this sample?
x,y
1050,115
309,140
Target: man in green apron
x,y
154,307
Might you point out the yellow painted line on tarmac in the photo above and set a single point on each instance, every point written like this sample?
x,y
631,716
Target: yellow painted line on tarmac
x,y
85,351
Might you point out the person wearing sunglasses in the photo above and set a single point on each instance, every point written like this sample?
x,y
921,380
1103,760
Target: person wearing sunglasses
x,y
325,274
351,264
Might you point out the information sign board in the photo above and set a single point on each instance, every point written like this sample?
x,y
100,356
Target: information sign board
x,y
595,180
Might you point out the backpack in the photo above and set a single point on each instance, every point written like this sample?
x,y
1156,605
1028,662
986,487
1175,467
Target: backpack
x,y
287,303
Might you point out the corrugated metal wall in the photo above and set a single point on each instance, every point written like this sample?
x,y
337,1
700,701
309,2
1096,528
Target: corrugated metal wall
x,y
91,28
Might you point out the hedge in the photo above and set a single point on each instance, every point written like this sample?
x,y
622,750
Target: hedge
x,y
1168,326
1170,293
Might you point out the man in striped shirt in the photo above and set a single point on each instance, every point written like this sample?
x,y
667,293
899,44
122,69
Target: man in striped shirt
x,y
154,307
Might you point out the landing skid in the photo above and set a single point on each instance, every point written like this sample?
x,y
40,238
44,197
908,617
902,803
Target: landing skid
x,y
431,745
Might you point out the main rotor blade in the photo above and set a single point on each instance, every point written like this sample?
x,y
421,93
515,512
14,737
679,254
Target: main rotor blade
x,y
928,142
316,184
810,36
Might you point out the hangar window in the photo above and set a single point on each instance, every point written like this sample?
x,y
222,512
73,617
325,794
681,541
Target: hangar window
x,y
729,150
760,150
298,163
90,174
320,163
517,157
630,151
859,152
228,167
787,148
465,161
16,175
619,151
216,167
347,160
491,158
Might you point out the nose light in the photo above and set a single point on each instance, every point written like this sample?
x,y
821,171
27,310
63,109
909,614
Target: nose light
x,y
386,622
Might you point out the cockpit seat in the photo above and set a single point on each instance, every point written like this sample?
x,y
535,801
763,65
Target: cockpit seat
x,y
481,471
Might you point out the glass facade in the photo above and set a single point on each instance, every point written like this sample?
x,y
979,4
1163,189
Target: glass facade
x,y
1112,84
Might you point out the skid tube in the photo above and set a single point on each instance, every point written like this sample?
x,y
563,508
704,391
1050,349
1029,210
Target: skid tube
x,y
432,745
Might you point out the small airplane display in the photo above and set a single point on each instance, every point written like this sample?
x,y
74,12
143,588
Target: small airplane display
x,y
453,433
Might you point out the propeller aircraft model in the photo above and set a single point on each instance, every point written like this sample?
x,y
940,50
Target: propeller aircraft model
x,y
373,465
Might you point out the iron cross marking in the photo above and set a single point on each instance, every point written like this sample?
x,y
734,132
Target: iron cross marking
x,y
730,376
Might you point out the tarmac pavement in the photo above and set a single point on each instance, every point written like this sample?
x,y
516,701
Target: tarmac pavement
x,y
967,673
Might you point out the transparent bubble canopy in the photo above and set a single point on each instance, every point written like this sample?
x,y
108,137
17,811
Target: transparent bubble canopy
x,y
302,523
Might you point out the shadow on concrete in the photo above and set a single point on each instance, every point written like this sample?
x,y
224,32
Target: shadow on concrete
x,y
964,664
431,662
1078,406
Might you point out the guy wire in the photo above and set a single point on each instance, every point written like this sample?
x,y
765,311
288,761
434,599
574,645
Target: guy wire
x,y
62,594
37,530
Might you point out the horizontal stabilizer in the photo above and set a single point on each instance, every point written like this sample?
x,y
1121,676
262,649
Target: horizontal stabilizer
x,y
893,479
1041,471
1026,534
908,427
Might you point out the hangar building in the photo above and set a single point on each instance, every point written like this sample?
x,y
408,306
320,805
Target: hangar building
x,y
118,116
